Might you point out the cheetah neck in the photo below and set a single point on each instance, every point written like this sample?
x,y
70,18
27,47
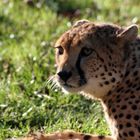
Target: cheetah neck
x,y
133,62
130,85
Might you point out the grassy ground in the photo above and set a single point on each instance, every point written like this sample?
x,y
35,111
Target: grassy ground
x,y
27,33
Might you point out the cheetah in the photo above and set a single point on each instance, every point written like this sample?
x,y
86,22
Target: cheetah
x,y
102,62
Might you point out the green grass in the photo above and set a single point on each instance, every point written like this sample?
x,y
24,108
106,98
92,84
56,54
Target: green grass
x,y
27,36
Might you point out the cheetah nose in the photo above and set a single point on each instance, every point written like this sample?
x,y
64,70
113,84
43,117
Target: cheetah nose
x,y
64,75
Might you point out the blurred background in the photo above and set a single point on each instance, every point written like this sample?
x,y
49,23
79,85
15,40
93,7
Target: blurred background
x,y
28,31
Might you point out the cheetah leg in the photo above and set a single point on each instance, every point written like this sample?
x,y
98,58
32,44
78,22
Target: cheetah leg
x,y
68,135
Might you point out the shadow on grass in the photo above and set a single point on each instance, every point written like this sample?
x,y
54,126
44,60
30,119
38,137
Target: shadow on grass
x,y
5,23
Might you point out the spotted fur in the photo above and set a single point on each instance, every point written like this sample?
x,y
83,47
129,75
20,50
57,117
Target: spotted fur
x,y
102,61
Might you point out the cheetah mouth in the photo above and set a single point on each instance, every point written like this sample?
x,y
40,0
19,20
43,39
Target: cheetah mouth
x,y
72,87
81,83
68,85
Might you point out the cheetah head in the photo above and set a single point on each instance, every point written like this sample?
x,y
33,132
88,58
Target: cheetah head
x,y
91,58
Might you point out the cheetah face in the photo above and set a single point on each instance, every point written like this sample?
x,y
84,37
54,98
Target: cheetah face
x,y
91,59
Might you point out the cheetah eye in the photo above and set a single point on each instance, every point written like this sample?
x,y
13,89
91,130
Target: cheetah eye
x,y
86,51
60,50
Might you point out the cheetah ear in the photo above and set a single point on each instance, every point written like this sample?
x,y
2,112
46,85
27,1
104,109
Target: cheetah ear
x,y
80,22
128,34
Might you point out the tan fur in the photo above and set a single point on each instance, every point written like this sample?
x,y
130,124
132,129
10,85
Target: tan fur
x,y
102,61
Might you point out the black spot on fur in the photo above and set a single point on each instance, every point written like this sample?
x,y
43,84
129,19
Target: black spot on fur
x,y
106,83
121,115
125,134
71,135
134,107
126,74
136,117
120,126
123,107
113,80
86,137
131,133
128,124
135,73
128,116
101,137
